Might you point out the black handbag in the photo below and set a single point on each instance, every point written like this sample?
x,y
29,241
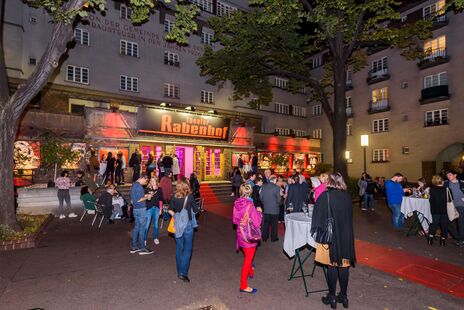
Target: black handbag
x,y
325,235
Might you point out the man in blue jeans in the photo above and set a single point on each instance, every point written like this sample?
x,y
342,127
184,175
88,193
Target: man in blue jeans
x,y
456,187
139,209
395,192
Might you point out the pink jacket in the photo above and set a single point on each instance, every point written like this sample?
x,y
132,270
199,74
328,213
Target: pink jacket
x,y
318,191
240,208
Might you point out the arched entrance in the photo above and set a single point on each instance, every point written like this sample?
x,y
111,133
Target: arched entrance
x,y
450,157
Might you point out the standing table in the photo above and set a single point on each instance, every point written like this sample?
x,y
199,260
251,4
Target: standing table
x,y
420,209
297,238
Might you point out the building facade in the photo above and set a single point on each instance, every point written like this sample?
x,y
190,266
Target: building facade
x,y
411,110
114,73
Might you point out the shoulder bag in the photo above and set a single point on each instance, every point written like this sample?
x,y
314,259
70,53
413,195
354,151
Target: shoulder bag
x,y
450,208
325,235
249,231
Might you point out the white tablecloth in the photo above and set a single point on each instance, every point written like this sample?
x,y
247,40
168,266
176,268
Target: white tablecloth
x,y
421,205
297,232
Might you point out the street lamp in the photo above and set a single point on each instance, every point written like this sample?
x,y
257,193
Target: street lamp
x,y
365,144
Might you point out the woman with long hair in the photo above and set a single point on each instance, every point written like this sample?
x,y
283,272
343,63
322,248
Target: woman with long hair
x,y
154,205
183,199
194,185
244,207
335,204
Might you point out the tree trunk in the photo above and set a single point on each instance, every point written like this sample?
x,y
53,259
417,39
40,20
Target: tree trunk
x,y
8,127
339,126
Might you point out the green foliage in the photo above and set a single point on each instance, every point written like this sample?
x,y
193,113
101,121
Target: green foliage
x,y
29,224
55,151
352,184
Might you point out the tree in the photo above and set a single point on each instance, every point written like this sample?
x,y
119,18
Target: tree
x,y
65,14
278,37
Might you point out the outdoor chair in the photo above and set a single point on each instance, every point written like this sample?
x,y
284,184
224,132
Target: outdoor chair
x,y
89,208
98,211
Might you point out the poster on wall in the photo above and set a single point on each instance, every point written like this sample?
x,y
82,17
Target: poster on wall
x,y
27,154
114,151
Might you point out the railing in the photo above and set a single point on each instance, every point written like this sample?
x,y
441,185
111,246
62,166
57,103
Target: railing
x,y
377,76
435,53
379,106
434,92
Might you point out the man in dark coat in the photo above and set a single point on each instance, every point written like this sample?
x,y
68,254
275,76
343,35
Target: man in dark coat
x,y
298,194
167,164
270,198
254,163
135,162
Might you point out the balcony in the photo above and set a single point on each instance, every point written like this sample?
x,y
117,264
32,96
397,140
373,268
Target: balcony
x,y
439,21
377,76
349,85
434,94
436,122
378,106
349,112
433,58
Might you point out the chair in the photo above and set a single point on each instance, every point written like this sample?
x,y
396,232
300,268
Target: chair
x,y
98,211
89,208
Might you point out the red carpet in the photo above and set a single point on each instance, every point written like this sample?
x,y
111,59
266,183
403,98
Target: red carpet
x,y
438,275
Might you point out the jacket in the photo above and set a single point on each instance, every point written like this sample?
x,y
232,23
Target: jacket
x,y
341,208
167,161
237,180
166,186
240,209
438,200
255,196
298,194
270,197
394,192
319,190
461,184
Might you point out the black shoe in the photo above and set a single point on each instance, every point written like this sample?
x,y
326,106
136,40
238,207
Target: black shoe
x,y
111,222
275,240
184,278
265,240
430,240
342,300
442,242
330,300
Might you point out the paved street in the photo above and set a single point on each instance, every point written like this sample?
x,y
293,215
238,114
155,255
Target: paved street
x,y
83,267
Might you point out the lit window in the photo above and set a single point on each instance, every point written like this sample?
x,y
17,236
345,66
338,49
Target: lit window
x,y
435,48
433,10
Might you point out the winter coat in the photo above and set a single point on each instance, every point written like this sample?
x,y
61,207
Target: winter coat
x,y
240,209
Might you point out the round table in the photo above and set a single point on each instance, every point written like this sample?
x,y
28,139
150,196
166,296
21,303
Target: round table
x,y
419,205
298,232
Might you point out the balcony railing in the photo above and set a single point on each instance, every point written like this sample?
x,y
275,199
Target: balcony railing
x,y
436,122
433,94
349,112
433,57
439,21
377,76
378,106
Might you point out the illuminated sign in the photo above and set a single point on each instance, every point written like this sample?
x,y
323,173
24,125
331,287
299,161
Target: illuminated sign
x,y
177,123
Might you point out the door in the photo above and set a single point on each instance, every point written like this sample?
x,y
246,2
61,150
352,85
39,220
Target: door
x,y
429,169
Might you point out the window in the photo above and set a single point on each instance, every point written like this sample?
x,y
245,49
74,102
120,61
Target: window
x,y
300,133
349,129
280,83
381,155
380,65
171,59
283,131
125,12
298,111
317,110
380,95
348,102
77,74
317,61
81,36
207,96
129,83
435,80
317,134
168,25
129,48
171,91
436,117
433,10
281,108
207,38
349,76
33,19
380,125
435,48
224,9
205,5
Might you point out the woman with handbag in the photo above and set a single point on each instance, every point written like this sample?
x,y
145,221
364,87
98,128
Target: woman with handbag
x,y
248,221
439,196
332,228
183,199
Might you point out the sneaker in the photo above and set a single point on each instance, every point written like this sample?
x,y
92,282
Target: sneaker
x,y
363,209
145,252
372,209
134,251
90,211
62,216
157,241
72,214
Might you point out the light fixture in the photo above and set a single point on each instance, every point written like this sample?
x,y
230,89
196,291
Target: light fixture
x,y
364,140
213,112
347,154
164,104
190,108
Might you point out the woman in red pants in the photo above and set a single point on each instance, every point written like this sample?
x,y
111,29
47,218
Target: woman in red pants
x,y
244,207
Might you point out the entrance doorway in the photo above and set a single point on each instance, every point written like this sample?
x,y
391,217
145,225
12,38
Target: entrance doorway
x,y
185,156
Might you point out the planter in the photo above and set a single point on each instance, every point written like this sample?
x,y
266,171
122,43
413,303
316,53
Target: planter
x,y
29,242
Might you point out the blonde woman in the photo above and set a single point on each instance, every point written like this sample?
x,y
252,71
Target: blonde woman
x,y
244,206
321,188
183,199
